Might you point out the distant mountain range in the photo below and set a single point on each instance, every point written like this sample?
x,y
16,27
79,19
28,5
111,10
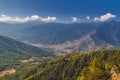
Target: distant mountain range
x,y
67,38
55,33
7,29
106,36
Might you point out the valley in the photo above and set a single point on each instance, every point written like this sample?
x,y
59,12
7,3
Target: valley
x,y
67,38
84,44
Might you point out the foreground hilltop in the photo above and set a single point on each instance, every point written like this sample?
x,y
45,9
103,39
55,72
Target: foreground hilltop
x,y
95,65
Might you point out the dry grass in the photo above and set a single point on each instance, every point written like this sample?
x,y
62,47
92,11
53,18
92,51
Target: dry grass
x,y
8,71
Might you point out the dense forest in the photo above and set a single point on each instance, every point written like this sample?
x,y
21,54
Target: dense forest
x,y
94,65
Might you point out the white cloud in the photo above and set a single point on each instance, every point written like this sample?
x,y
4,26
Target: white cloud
x,y
3,15
105,17
75,19
88,17
48,19
4,18
35,17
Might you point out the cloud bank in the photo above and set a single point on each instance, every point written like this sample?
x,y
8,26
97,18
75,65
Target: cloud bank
x,y
8,19
5,18
105,17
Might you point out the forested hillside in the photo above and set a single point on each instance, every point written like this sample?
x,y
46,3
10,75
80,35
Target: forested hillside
x,y
13,46
12,52
95,65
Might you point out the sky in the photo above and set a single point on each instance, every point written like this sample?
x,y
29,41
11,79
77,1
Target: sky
x,y
59,10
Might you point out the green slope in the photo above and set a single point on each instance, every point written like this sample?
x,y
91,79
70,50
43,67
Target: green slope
x,y
96,65
13,46
12,51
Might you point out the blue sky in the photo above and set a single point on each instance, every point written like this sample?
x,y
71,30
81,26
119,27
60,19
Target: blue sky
x,y
62,9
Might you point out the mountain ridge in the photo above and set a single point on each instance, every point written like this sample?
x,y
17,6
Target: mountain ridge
x,y
67,38
55,33
10,45
95,65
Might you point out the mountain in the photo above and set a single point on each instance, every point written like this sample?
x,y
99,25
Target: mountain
x,y
54,33
13,54
85,44
8,45
67,38
109,32
95,65
7,29
105,36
